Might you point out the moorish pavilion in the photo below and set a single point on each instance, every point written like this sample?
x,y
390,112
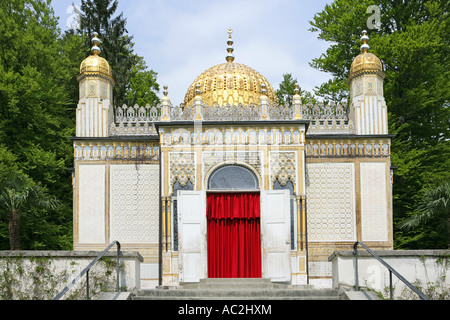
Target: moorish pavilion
x,y
230,184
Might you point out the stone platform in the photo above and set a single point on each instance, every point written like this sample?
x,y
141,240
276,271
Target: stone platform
x,y
237,289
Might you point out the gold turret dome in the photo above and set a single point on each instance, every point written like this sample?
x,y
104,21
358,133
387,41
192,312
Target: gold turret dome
x,y
94,64
230,82
366,62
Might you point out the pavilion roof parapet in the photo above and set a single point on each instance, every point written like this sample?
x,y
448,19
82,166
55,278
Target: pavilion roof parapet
x,y
325,112
324,119
136,114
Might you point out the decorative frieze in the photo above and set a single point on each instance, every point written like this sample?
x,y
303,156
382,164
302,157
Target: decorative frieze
x,y
234,136
333,126
113,150
182,168
133,129
347,148
283,167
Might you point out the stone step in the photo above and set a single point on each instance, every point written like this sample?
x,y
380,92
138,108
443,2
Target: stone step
x,y
236,293
234,283
237,289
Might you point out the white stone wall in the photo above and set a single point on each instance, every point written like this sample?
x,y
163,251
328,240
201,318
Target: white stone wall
x,y
374,224
330,192
65,266
91,204
422,268
134,203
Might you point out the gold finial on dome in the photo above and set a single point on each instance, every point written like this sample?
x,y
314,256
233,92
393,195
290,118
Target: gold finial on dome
x,y
230,49
94,65
96,45
263,89
365,39
366,62
165,94
230,83
197,89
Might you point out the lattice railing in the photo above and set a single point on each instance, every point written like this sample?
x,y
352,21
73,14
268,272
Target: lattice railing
x,y
135,120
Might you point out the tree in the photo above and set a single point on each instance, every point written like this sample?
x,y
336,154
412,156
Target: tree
x,y
413,44
286,91
133,80
434,206
143,86
341,24
73,52
18,195
36,111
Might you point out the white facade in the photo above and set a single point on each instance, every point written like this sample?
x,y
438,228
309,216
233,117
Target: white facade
x,y
142,176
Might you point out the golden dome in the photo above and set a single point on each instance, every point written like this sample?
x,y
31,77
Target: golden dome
x,y
366,62
231,83
94,64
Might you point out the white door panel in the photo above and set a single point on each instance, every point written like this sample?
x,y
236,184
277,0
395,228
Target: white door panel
x,y
192,236
275,235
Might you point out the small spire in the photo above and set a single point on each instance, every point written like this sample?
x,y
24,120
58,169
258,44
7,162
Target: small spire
x,y
96,45
263,89
197,89
230,49
365,39
165,105
165,93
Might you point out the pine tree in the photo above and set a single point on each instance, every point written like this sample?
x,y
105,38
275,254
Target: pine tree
x,y
117,48
286,91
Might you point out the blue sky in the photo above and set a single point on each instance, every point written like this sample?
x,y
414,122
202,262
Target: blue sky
x,y
180,39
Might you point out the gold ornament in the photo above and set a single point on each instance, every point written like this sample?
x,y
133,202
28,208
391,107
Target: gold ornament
x,y
230,82
366,62
94,64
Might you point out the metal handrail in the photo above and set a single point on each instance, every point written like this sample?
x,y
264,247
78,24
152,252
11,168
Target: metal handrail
x,y
391,271
86,271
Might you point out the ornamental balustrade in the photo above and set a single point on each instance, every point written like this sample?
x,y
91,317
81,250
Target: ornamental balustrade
x,y
137,121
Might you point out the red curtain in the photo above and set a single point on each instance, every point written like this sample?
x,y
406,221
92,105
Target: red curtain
x,y
234,246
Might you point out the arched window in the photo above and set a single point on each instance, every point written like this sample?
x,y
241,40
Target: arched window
x,y
233,177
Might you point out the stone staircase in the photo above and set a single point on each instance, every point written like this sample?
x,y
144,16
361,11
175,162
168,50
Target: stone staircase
x,y
237,289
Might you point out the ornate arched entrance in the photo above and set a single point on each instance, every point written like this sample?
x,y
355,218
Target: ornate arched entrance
x,y
233,223
233,228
